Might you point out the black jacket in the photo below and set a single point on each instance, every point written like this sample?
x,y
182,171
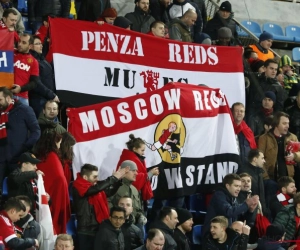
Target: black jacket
x,y
85,214
159,11
234,241
294,113
170,243
182,241
141,21
90,10
256,122
37,9
133,236
202,8
108,237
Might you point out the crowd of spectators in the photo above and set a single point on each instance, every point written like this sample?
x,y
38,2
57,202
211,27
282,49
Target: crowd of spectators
x,y
112,213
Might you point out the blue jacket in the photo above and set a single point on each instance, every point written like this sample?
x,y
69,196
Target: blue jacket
x,y
23,131
223,203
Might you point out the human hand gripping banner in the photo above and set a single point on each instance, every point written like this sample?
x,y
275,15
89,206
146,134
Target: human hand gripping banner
x,y
187,129
96,63
6,58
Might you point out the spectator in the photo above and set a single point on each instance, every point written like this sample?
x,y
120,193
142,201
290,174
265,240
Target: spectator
x,y
64,241
140,18
158,10
288,217
184,226
7,4
263,47
127,189
37,9
284,196
133,236
257,66
22,180
8,21
47,150
222,18
256,121
108,16
244,135
238,227
26,69
224,37
90,202
273,239
14,209
254,168
66,154
224,203
109,235
43,31
290,78
157,29
45,89
123,22
167,222
178,8
48,120
20,131
223,237
202,9
179,28
155,240
294,113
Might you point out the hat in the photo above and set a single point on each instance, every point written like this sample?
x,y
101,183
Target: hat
x,y
28,157
271,95
183,215
226,6
265,36
130,164
275,231
224,32
122,22
285,60
256,64
110,12
204,39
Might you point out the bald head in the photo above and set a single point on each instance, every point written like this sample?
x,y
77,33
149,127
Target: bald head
x,y
189,18
237,226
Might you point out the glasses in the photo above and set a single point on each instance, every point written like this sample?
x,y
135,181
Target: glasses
x,y
37,44
117,218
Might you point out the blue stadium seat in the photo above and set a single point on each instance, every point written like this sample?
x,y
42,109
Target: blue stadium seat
x,y
26,25
296,54
293,31
277,32
4,188
254,27
72,225
22,6
197,234
197,203
150,203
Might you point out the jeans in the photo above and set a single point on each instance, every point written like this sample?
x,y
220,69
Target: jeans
x,y
22,100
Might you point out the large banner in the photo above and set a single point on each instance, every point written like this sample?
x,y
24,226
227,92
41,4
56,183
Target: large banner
x,y
187,130
96,63
6,58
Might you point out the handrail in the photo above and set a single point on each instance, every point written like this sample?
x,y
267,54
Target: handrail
x,y
212,7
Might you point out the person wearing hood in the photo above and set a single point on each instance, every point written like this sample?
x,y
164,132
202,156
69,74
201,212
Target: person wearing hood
x,y
133,236
273,239
224,203
140,18
110,235
262,48
167,221
222,18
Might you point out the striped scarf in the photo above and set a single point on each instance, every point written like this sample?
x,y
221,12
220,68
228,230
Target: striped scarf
x,y
4,122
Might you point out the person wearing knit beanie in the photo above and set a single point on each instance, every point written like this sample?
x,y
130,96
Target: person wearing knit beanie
x,y
108,16
185,225
257,66
224,36
265,36
263,47
271,95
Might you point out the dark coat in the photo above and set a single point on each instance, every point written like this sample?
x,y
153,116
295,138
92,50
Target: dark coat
x,y
234,241
85,214
170,243
202,8
141,21
133,236
90,10
294,113
23,131
256,122
275,206
108,237
265,244
244,146
182,241
223,203
159,11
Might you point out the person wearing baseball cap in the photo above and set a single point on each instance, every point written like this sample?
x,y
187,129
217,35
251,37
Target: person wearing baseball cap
x,y
262,48
184,226
22,180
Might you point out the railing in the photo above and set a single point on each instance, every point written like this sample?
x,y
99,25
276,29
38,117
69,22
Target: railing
x,y
246,37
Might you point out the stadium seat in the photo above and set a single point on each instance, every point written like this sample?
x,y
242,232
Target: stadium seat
x,y
150,203
26,25
293,31
71,225
296,54
4,188
197,234
253,27
197,203
22,6
277,32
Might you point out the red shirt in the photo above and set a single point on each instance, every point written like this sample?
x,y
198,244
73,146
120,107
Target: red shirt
x,y
4,27
25,65
7,231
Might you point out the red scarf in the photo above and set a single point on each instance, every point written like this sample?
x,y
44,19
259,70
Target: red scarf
x,y
243,127
4,121
284,199
98,201
267,112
